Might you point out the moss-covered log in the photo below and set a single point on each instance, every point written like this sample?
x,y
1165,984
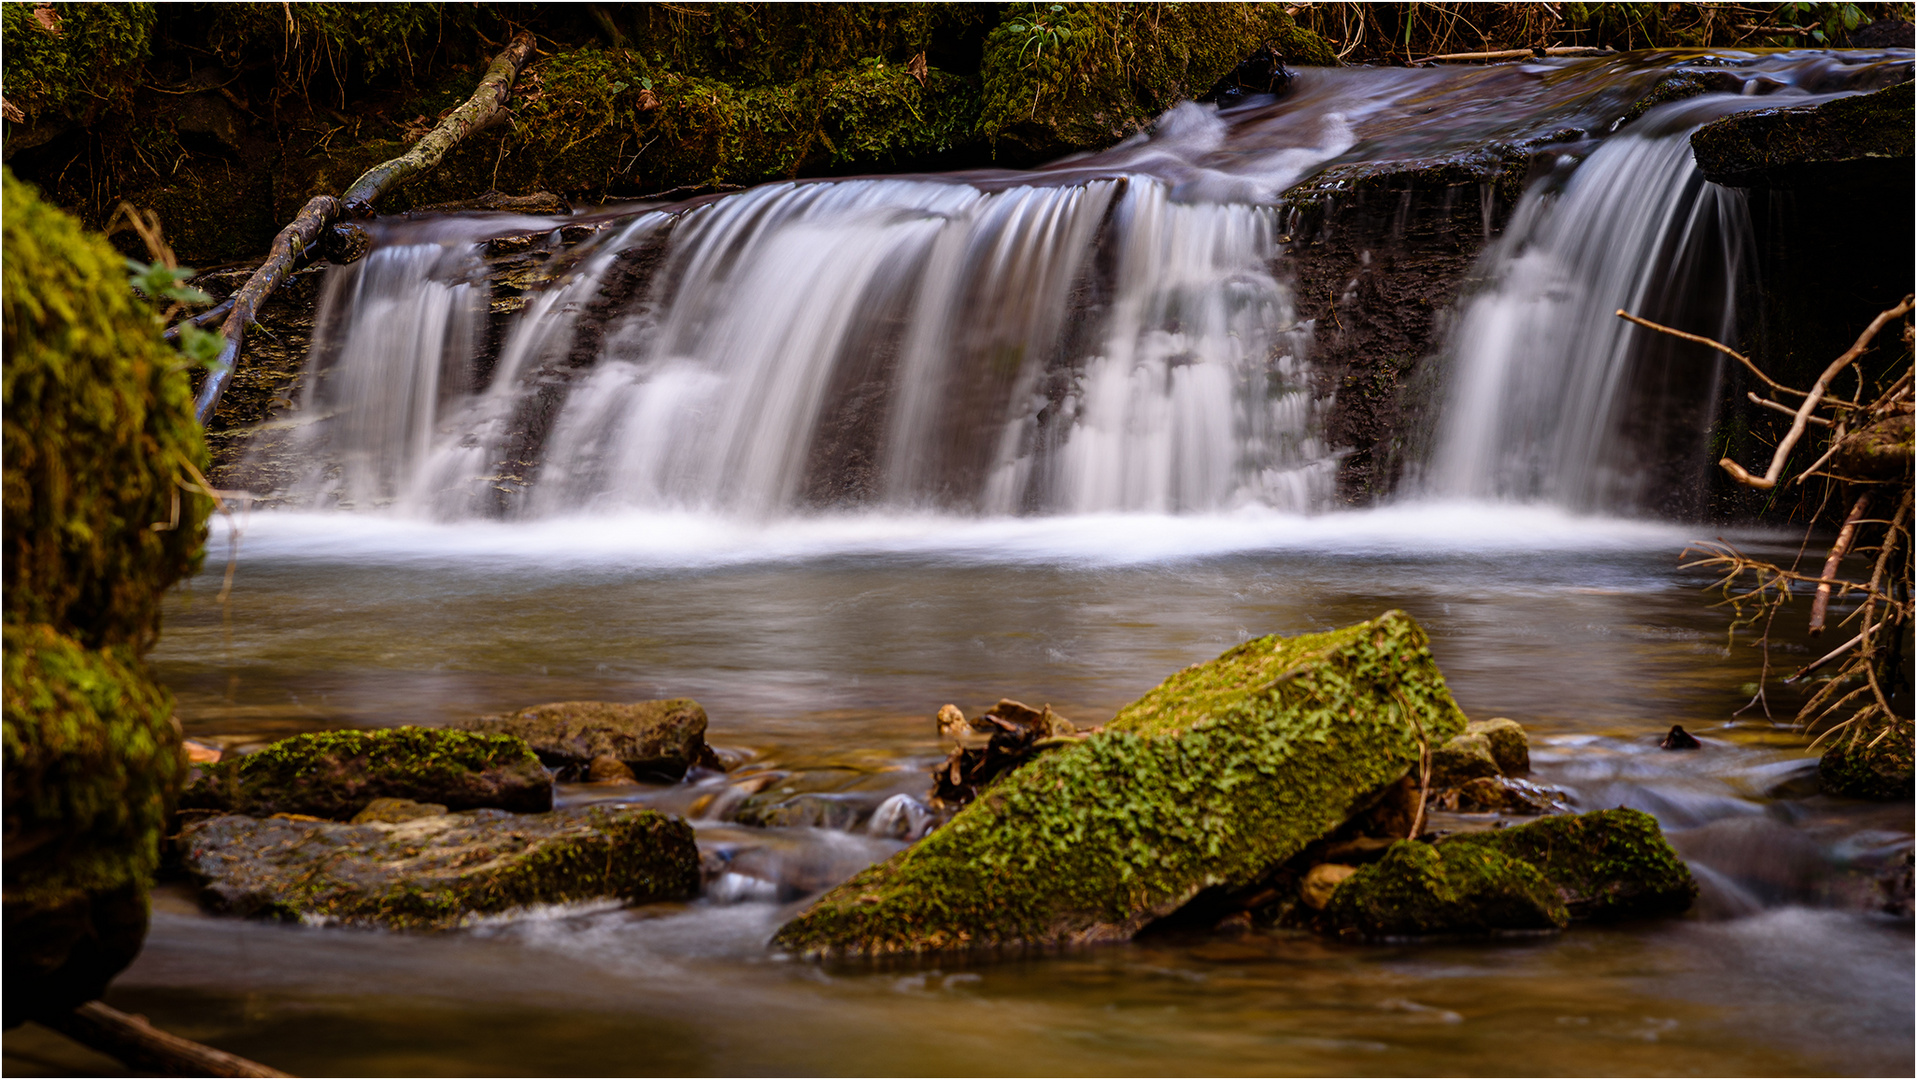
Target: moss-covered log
x,y
335,774
434,873
1224,771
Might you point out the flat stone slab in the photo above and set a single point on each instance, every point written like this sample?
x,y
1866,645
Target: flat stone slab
x,y
337,774
434,873
1225,770
1778,147
652,739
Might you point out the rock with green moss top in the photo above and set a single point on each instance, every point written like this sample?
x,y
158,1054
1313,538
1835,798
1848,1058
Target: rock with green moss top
x,y
92,759
1462,759
1083,76
1870,767
1418,889
336,774
1225,770
1605,865
434,873
1783,147
656,740
1510,748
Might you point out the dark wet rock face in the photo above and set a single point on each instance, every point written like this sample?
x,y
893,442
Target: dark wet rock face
x,y
1869,133
651,739
433,873
336,774
1226,770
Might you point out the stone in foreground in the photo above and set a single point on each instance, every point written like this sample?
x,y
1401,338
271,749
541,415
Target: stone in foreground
x,y
1224,771
1602,867
653,739
337,774
434,873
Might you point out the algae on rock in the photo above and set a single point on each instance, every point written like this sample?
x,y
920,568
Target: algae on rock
x,y
336,774
433,873
1224,771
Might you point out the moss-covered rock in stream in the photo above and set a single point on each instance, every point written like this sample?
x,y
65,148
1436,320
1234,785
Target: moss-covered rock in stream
x,y
99,440
1081,76
1791,145
1874,765
433,873
653,739
1225,770
92,761
1601,867
335,774
1418,889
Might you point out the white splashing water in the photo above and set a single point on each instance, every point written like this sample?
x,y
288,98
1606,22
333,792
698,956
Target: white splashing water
x,y
1542,366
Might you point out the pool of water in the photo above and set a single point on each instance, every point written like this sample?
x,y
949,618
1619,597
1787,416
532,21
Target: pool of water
x,y
823,646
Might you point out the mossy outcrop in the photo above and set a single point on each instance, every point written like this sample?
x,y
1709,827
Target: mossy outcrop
x,y
1876,765
1418,889
1066,77
1600,867
1788,146
98,442
73,59
336,774
1224,771
433,873
653,739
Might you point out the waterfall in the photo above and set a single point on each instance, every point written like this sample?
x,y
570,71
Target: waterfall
x,y
1552,396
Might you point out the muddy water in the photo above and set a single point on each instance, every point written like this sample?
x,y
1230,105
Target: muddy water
x,y
822,646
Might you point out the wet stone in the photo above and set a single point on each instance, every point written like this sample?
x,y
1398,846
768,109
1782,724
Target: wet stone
x,y
656,740
1464,758
395,811
1510,748
433,873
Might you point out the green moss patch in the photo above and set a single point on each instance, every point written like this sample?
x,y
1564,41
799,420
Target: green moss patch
x,y
1225,770
98,435
73,58
335,774
1081,76
1606,865
435,873
1418,889
91,762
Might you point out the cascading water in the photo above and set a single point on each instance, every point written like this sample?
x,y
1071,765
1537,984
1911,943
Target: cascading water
x,y
1541,404
1115,333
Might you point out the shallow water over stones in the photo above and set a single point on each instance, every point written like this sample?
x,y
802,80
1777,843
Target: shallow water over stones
x,y
821,650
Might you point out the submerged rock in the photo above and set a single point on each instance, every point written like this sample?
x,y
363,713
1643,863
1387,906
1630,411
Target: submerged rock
x,y
653,739
432,873
1224,771
335,774
1602,866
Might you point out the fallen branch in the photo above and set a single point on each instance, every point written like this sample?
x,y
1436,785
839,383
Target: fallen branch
x,y
1821,602
144,1047
293,246
1831,655
1519,54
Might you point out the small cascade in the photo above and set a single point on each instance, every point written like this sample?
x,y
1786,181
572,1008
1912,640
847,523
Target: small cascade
x,y
1554,398
393,352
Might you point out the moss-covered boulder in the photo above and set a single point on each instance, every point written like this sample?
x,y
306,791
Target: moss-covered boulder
x,y
1083,76
1874,765
1418,889
434,873
99,440
1600,867
1510,747
657,740
1786,146
1224,771
337,774
92,760
1462,759
98,434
